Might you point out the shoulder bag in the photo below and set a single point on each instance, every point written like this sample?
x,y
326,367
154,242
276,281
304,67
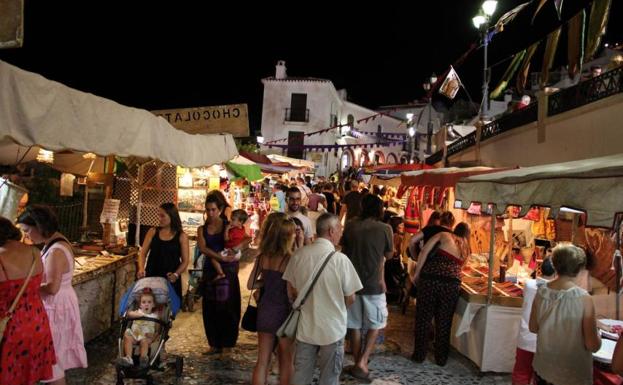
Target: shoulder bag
x,y
7,317
288,328
249,319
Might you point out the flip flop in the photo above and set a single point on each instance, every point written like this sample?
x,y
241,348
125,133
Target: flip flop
x,y
360,375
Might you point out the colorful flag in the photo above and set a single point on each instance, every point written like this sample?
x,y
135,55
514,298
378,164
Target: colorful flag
x,y
451,84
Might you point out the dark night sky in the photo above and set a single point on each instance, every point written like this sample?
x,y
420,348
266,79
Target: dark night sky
x,y
185,55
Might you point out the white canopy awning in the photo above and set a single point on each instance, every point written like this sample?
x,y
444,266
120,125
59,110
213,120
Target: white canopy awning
x,y
35,111
591,185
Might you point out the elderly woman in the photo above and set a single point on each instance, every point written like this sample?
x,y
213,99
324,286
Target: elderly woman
x,y
28,329
59,298
563,318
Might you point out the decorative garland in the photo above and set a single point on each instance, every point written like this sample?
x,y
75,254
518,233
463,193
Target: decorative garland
x,y
335,147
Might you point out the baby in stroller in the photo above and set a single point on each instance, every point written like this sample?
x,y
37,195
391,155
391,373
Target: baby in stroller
x,y
141,332
147,311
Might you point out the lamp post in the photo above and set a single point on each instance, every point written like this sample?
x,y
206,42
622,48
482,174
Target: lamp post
x,y
411,132
428,85
481,22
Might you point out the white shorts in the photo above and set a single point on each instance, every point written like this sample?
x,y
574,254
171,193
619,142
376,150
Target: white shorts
x,y
368,312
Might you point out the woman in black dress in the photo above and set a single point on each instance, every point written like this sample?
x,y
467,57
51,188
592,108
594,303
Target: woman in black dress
x,y
166,249
221,298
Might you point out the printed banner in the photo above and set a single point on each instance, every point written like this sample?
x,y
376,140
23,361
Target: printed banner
x,y
451,84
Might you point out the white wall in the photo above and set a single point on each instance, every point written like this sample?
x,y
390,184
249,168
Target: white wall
x,y
590,131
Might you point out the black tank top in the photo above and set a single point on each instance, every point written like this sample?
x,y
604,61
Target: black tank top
x,y
164,256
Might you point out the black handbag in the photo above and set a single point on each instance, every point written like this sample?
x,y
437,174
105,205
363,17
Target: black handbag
x,y
249,319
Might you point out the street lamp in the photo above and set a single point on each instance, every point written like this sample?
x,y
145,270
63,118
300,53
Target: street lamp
x,y
411,132
481,22
428,85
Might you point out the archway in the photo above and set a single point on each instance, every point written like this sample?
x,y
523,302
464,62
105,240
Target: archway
x,y
392,158
348,158
379,157
363,158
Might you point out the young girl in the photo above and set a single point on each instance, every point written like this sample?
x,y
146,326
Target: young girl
x,y
142,331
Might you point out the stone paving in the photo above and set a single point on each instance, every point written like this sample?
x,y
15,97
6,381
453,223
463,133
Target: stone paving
x,y
390,366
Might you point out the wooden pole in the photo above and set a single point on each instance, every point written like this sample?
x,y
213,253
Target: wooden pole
x,y
491,257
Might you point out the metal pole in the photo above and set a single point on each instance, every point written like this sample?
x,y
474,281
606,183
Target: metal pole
x,y
617,267
429,128
485,81
491,257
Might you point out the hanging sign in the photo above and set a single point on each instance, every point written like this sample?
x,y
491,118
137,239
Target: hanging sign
x,y
232,119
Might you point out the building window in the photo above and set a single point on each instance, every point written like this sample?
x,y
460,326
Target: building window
x,y
350,120
298,111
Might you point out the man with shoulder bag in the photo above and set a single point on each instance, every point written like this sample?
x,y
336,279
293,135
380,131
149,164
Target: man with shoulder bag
x,y
326,282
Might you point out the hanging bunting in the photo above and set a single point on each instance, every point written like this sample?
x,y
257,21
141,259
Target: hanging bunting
x,y
450,85
557,6
522,76
597,24
575,43
548,57
508,74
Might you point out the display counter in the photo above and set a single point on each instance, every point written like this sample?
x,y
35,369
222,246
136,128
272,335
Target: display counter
x,y
99,282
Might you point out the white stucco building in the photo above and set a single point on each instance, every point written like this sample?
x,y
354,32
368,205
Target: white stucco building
x,y
306,104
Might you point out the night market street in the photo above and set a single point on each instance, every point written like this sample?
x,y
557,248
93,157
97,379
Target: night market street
x,y
391,366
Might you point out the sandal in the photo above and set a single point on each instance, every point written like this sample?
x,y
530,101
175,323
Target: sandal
x,y
359,374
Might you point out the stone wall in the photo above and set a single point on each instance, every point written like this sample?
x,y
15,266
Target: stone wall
x,y
99,297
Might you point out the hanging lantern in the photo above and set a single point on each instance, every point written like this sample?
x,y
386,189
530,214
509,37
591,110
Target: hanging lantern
x,y
45,156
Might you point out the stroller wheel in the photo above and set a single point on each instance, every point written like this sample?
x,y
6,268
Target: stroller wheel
x,y
119,377
179,366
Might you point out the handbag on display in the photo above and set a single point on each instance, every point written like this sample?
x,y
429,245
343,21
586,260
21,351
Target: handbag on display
x,y
289,326
249,319
4,321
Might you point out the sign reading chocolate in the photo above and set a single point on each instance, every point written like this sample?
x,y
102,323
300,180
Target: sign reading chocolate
x,y
232,119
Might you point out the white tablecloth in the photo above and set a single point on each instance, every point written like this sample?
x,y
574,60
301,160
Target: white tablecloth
x,y
486,335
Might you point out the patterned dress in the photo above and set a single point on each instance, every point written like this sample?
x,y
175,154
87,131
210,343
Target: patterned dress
x,y
26,350
437,295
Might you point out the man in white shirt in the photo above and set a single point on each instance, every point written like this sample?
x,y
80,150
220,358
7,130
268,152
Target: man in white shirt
x,y
294,201
322,323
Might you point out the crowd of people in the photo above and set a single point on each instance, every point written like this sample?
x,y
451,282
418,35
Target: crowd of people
x,y
334,254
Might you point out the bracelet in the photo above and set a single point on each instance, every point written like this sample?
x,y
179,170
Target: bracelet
x,y
176,275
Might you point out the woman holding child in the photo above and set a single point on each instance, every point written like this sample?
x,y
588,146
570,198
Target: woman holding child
x,y
221,297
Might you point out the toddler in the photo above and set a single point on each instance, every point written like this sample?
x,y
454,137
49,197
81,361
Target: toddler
x,y
141,332
234,235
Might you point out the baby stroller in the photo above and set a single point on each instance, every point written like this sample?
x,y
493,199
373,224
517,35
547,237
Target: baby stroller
x,y
167,304
194,279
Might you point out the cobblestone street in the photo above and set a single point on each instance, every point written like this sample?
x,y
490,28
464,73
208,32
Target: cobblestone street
x,y
390,366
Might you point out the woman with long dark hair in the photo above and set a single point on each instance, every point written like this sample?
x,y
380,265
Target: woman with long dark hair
x,y
438,282
221,298
166,249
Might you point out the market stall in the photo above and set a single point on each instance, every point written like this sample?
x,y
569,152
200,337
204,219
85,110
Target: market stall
x,y
561,190
39,116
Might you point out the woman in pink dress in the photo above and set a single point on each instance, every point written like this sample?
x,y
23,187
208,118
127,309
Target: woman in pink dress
x,y
59,298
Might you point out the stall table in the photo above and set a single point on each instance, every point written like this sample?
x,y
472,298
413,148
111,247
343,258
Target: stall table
x,y
99,284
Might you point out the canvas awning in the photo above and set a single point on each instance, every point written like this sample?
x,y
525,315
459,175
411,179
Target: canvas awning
x,y
293,161
591,185
243,168
441,178
385,180
35,111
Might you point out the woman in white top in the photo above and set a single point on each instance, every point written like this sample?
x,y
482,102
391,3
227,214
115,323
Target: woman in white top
x,y
563,317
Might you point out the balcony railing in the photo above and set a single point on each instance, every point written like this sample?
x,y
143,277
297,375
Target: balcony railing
x,y
586,92
434,158
461,144
505,123
296,115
